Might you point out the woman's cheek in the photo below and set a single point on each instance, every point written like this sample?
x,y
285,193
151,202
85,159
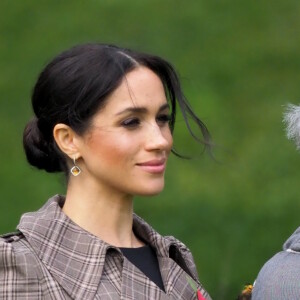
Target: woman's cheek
x,y
112,149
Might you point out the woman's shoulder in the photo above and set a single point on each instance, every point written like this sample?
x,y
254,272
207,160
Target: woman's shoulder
x,y
9,245
12,245
17,260
280,276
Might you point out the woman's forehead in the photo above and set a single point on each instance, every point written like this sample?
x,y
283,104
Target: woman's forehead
x,y
139,88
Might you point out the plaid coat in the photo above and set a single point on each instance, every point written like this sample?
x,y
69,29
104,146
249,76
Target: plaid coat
x,y
53,258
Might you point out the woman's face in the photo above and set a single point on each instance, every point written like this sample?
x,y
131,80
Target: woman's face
x,y
127,147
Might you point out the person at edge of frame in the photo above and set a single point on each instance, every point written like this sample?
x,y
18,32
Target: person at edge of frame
x,y
279,278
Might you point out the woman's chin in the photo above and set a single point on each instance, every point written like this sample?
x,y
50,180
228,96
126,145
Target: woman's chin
x,y
151,190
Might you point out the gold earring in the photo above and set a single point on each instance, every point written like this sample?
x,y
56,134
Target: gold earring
x,y
75,169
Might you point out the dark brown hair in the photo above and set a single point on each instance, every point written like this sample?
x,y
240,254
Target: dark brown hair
x,y
75,85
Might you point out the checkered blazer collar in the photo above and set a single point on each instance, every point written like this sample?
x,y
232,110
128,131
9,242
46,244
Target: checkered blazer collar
x,y
74,256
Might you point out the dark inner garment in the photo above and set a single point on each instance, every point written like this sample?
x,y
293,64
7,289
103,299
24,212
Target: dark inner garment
x,y
144,258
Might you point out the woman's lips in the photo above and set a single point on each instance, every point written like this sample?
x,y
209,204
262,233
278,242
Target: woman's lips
x,y
153,166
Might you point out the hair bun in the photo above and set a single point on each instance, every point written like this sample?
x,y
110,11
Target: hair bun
x,y
39,152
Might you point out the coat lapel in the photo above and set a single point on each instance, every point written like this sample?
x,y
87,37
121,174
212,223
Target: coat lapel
x,y
175,261
137,286
175,280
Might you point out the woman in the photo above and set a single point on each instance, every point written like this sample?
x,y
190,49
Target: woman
x,y
103,115
279,278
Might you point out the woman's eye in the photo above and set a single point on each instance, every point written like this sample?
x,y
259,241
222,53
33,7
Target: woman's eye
x,y
163,119
131,123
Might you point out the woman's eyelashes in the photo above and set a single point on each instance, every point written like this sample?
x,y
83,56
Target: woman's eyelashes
x,y
163,119
135,122
131,123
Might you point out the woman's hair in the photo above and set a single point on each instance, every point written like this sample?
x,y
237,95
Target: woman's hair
x,y
292,120
74,86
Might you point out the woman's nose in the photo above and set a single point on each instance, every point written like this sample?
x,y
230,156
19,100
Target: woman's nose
x,y
158,138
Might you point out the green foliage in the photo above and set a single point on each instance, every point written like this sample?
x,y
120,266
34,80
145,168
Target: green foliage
x,y
239,62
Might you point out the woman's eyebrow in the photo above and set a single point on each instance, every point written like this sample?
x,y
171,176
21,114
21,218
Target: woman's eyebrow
x,y
164,106
137,109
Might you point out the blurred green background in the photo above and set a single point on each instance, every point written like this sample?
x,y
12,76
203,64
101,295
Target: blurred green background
x,y
239,62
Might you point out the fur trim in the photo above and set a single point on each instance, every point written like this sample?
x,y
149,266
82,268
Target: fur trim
x,y
291,118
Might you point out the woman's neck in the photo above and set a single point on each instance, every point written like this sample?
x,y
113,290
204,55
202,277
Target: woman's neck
x,y
106,214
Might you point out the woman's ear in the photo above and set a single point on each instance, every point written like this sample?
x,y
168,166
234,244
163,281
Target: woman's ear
x,y
65,138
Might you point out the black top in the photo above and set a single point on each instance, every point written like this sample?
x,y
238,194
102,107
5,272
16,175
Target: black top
x,y
145,259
